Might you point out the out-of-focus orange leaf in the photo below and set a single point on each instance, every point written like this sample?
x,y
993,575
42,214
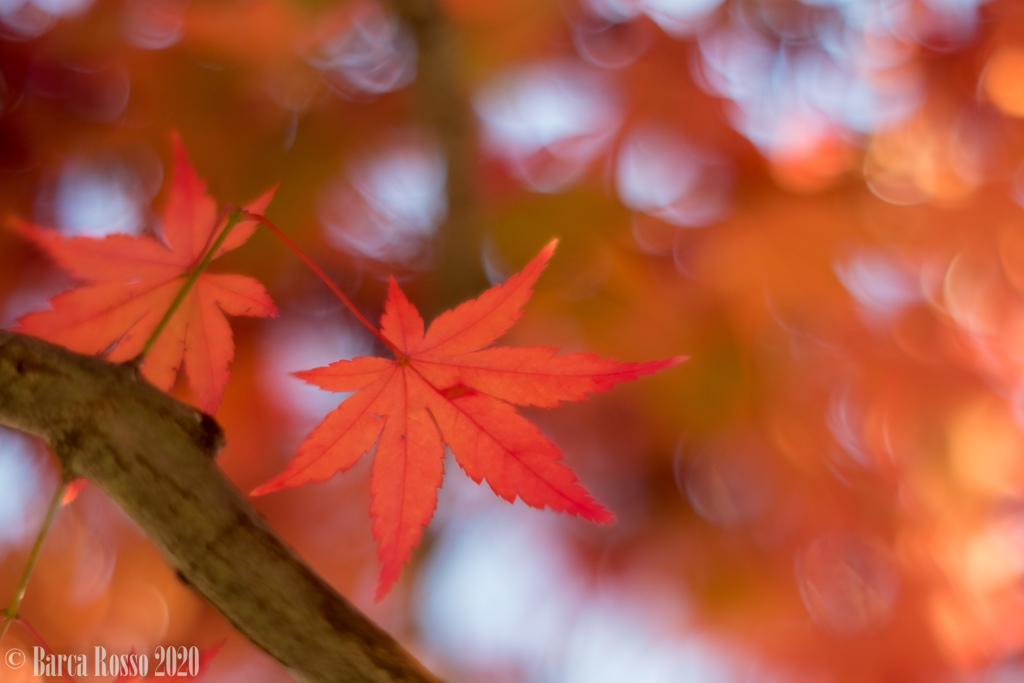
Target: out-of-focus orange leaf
x,y
1003,80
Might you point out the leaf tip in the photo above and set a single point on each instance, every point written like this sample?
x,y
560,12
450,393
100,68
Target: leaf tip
x,y
307,376
72,490
545,254
387,580
183,171
598,514
177,145
263,489
653,366
260,204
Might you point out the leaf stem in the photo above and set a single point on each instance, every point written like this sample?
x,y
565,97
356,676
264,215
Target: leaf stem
x,y
327,281
11,612
234,218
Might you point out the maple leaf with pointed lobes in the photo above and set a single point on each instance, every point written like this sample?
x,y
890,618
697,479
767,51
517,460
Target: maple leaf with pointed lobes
x,y
445,388
133,281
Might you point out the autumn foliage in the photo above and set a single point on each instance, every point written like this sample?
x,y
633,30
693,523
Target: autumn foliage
x,y
444,388
134,280
817,203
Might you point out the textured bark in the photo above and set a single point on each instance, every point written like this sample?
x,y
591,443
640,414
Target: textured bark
x,y
154,457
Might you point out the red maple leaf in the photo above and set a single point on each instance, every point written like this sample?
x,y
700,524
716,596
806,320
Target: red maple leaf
x,y
445,388
133,281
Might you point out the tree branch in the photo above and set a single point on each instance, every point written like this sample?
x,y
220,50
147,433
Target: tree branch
x,y
154,457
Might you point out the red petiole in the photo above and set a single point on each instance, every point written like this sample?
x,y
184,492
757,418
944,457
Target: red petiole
x,y
323,276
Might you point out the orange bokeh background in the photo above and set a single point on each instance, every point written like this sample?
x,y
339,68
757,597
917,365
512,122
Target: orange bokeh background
x,y
818,201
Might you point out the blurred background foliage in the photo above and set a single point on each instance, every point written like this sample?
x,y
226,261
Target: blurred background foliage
x,y
818,201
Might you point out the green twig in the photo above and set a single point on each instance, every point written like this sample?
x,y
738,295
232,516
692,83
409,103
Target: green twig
x,y
11,612
234,218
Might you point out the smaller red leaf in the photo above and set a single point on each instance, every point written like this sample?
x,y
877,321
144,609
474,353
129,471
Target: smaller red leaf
x,y
131,282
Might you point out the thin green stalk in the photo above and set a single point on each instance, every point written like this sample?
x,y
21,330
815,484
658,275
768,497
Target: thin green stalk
x,y
327,281
234,218
11,613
